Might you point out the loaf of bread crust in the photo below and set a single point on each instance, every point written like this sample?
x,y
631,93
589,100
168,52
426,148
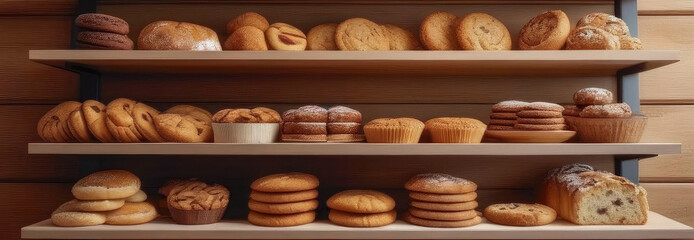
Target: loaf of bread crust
x,y
583,196
171,35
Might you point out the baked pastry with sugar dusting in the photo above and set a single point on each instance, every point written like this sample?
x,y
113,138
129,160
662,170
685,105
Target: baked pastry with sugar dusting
x,y
583,196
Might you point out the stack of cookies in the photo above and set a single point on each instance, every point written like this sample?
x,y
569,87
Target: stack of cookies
x,y
124,120
361,208
503,116
541,116
344,125
282,200
101,31
442,200
106,197
305,124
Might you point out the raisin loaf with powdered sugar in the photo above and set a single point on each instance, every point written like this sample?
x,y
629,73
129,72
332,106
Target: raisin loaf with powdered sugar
x,y
584,196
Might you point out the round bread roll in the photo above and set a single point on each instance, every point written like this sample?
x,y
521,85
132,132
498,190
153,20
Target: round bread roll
x,y
614,25
247,19
172,35
246,38
591,38
109,184
67,215
132,213
547,31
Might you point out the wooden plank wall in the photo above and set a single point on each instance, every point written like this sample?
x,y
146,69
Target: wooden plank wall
x,y
34,185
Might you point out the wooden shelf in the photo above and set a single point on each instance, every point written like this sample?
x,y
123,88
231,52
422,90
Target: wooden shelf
x,y
482,63
489,149
658,227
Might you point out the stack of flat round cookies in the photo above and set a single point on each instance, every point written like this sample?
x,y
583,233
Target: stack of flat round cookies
x,y
101,31
361,208
282,200
106,197
541,116
503,116
442,200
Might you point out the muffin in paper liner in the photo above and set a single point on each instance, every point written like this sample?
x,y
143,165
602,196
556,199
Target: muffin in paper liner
x,y
393,130
196,217
455,130
609,130
246,132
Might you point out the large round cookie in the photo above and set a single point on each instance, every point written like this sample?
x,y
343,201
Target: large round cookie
x,y
102,23
359,34
322,37
520,214
441,224
284,197
143,116
95,115
401,39
53,126
481,31
183,128
443,198
281,220
285,182
438,31
361,201
120,121
105,40
432,206
348,219
546,31
440,183
443,215
283,208
78,127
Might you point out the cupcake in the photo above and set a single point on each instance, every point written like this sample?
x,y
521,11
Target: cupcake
x,y
257,125
393,130
194,202
455,130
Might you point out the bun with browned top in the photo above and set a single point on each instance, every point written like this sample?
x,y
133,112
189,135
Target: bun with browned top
x,y
172,35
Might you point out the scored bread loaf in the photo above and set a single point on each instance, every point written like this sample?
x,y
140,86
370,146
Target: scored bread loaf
x,y
584,196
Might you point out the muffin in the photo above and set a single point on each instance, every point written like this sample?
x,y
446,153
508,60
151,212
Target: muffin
x,y
393,130
455,130
609,123
195,202
242,125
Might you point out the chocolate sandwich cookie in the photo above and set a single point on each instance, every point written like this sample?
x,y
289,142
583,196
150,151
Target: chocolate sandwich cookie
x,y
104,40
102,23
